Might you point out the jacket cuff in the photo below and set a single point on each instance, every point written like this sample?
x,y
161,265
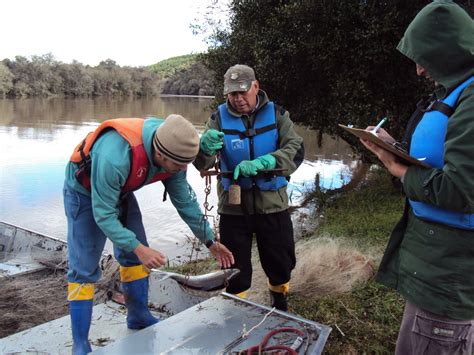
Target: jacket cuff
x,y
131,246
209,243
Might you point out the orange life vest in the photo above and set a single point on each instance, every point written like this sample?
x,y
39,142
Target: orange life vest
x,y
131,130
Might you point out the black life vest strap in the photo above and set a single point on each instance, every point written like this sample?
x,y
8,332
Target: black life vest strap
x,y
442,107
83,172
430,103
250,132
81,149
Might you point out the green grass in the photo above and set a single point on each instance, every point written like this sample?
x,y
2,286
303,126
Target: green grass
x,y
194,267
367,214
368,318
365,321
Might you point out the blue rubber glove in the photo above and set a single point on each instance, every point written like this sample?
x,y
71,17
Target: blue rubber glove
x,y
248,168
211,141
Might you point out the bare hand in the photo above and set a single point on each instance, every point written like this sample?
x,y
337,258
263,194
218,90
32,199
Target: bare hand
x,y
388,159
149,257
382,134
223,255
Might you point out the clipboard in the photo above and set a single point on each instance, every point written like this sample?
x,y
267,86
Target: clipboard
x,y
407,159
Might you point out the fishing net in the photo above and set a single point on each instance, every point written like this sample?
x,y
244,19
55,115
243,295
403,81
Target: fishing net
x,y
325,267
39,297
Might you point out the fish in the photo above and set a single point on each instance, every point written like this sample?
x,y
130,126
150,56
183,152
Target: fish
x,y
207,282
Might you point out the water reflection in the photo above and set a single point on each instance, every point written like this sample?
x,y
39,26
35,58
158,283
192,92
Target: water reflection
x,y
44,115
37,137
329,174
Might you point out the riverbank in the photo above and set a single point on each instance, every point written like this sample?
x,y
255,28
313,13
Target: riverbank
x,y
191,96
338,253
333,281
366,318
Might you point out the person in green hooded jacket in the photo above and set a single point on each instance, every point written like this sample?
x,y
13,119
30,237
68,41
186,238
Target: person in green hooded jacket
x,y
251,134
429,259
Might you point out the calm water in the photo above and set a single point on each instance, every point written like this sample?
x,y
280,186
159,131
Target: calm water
x,y
37,137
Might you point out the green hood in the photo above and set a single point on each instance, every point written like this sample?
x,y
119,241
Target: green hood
x,y
441,39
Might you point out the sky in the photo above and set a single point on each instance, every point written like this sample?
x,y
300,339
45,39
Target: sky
x,y
131,32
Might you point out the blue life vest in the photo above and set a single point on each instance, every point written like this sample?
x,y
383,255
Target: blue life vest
x,y
241,143
428,142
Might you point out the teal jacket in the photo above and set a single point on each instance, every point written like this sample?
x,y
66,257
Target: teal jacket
x,y
431,264
111,158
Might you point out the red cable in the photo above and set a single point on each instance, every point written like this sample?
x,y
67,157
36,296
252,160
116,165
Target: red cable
x,y
262,346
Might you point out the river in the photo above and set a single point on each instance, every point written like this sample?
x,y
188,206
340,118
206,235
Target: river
x,y
37,137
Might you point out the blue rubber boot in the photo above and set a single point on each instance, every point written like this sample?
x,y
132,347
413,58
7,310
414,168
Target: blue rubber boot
x,y
136,301
81,314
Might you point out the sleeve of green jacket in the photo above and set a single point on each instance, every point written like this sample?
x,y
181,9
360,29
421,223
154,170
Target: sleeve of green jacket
x,y
184,200
289,142
110,167
451,187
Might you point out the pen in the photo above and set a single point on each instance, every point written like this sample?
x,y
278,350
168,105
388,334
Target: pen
x,y
376,128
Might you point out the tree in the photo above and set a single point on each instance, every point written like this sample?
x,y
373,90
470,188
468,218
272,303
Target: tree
x,y
44,76
76,80
37,76
327,62
194,80
6,77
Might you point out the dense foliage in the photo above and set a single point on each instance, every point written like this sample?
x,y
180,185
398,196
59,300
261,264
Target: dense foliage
x,y
184,75
195,80
170,66
44,76
327,62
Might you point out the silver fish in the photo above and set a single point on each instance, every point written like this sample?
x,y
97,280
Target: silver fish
x,y
206,282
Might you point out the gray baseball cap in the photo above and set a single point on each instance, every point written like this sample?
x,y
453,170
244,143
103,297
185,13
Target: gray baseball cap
x,y
238,78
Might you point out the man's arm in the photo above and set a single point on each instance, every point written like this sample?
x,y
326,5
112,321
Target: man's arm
x,y
388,159
184,200
110,169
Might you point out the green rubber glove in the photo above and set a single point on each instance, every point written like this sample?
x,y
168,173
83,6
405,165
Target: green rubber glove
x,y
211,141
268,161
248,168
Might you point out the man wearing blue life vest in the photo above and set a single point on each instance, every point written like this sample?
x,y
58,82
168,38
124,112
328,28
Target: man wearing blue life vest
x,y
119,157
251,133
429,259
